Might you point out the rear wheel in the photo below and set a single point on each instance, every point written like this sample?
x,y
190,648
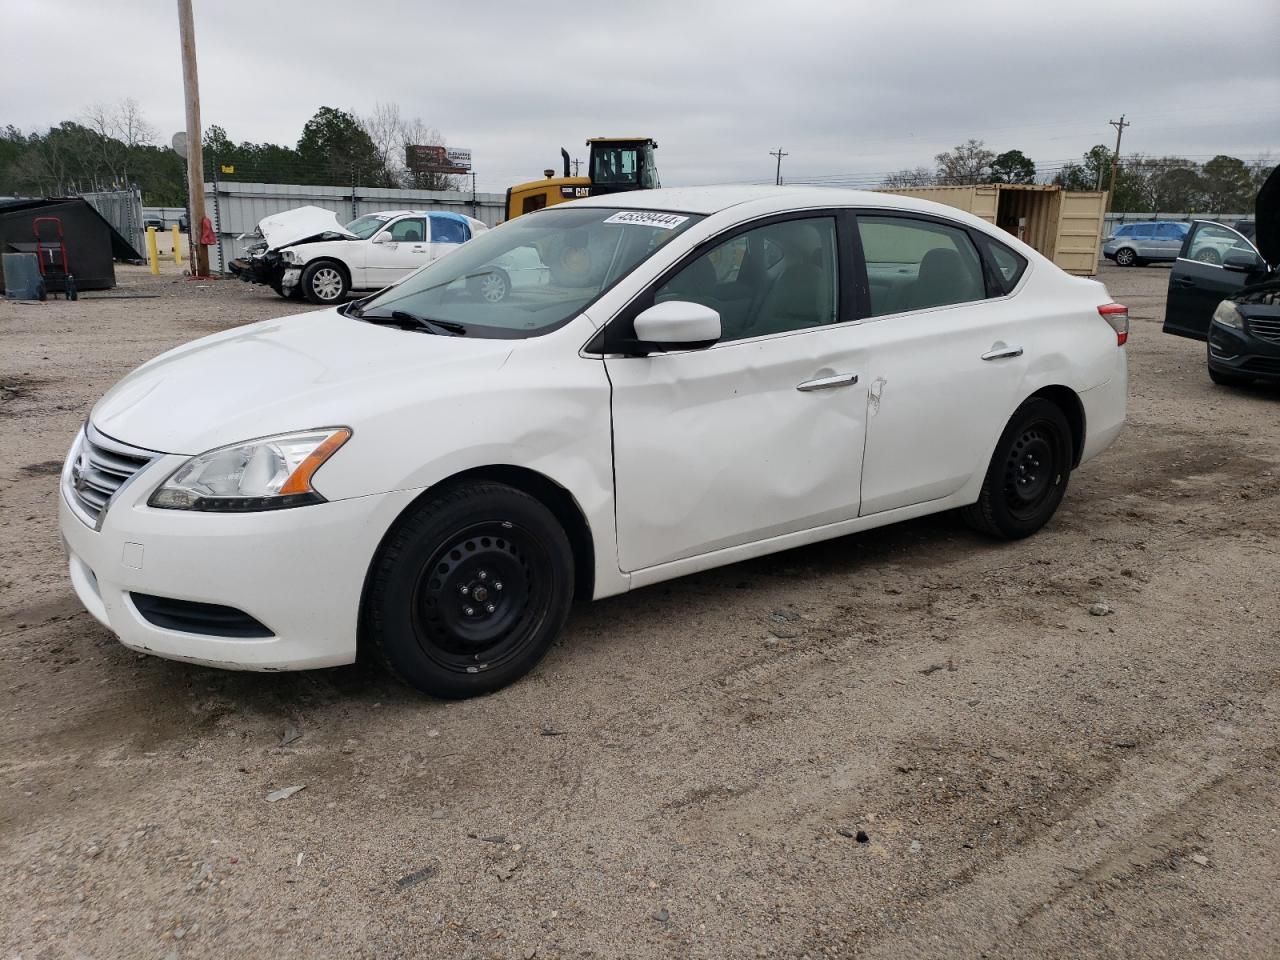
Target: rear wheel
x,y
1125,257
491,287
1027,477
470,591
325,282
1208,255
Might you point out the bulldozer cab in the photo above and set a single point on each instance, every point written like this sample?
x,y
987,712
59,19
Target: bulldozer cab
x,y
622,163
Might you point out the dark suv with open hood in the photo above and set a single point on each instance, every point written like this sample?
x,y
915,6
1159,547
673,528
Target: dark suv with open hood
x,y
1225,288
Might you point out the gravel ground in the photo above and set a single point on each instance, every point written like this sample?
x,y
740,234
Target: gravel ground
x,y
686,773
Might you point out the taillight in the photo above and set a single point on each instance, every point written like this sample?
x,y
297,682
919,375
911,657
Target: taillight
x,y
1117,314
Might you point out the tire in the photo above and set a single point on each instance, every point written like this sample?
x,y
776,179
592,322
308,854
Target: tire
x,y
512,558
492,287
1223,379
325,282
1028,474
1126,257
1209,255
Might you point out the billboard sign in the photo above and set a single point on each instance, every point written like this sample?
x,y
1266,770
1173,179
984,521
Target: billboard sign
x,y
431,158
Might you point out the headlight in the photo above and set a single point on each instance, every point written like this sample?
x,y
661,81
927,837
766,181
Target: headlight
x,y
265,474
1228,315
288,256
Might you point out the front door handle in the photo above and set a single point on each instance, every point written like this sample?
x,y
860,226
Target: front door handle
x,y
1184,282
826,383
1001,352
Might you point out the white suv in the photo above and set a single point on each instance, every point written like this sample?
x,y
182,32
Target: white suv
x,y
306,252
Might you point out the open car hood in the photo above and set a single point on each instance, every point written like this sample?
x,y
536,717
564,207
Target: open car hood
x,y
1266,210
303,223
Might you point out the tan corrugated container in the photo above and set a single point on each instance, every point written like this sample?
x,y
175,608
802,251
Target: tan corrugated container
x,y
1065,227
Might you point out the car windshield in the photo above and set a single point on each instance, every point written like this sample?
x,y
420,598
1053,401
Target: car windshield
x,y
366,226
532,274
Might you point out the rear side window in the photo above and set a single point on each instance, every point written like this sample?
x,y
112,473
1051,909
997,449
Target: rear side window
x,y
1007,265
448,230
915,264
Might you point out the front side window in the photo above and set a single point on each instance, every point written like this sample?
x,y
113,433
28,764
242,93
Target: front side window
x,y
1212,242
408,230
446,229
915,264
779,277
534,273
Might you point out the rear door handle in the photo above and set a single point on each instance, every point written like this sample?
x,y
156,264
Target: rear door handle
x,y
826,383
1002,352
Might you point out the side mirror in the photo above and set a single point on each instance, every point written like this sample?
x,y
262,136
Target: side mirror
x,y
676,325
383,237
1242,261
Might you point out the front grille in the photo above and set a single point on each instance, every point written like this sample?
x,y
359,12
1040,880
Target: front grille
x,y
188,616
1266,328
100,466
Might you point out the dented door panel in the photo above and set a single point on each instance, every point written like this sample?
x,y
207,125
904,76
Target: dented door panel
x,y
718,447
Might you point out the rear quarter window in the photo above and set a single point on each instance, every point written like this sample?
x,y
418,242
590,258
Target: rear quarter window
x,y
1006,266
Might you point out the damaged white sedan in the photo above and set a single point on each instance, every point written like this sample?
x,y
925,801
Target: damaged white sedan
x,y
306,252
679,379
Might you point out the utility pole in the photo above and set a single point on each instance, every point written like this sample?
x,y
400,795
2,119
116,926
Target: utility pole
x,y
1115,159
575,167
779,154
195,158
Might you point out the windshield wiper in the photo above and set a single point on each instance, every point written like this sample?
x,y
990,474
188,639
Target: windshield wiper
x,y
411,321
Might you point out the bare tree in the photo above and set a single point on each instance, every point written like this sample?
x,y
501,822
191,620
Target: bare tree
x,y
969,162
391,133
120,127
916,177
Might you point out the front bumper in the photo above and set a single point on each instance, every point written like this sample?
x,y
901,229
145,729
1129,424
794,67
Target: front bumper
x,y
300,572
268,269
1237,352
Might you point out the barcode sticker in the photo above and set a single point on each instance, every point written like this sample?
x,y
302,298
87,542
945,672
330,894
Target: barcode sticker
x,y
648,218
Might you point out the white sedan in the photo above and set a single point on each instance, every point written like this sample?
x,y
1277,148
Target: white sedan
x,y
306,252
683,379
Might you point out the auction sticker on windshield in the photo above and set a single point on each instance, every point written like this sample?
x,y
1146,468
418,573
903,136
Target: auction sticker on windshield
x,y
648,218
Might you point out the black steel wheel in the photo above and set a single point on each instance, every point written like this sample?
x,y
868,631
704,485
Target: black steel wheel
x,y
1028,473
1126,258
470,590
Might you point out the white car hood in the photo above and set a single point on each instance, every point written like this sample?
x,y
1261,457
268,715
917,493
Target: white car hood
x,y
303,223
309,370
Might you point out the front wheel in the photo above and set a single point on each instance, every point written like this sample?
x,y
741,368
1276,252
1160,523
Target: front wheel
x,y
1208,255
1126,257
470,591
1027,477
325,283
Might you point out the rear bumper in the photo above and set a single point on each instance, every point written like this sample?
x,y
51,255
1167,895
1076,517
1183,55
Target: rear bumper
x,y
1104,410
1237,353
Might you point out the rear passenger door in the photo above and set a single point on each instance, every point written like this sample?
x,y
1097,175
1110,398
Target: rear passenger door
x,y
947,351
448,232
1168,240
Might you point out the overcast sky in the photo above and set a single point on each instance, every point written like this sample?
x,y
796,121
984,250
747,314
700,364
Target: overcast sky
x,y
844,87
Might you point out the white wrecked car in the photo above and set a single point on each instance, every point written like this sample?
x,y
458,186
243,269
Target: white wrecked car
x,y
307,252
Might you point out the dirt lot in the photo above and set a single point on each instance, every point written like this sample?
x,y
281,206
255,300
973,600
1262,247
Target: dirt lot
x,y
685,774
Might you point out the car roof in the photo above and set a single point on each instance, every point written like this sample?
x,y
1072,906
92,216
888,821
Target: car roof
x,y
713,199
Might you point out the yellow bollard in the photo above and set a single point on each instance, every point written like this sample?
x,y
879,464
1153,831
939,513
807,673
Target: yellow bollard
x,y
177,245
153,252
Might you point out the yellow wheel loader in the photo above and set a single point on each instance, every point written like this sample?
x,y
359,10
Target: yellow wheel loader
x,y
615,164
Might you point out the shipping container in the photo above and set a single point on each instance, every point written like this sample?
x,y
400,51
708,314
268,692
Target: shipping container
x,y
1066,227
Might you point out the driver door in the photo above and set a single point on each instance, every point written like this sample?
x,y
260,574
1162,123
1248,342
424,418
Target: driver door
x,y
397,250
1199,281
759,435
